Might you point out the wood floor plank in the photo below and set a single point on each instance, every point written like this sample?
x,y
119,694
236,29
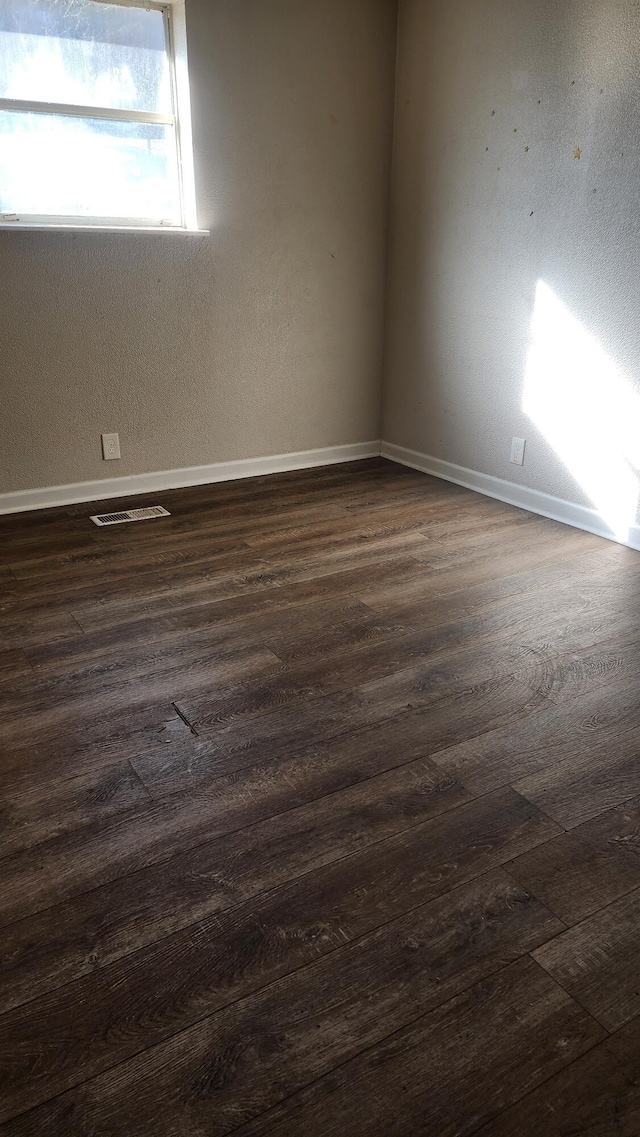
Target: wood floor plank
x,y
50,703
210,580
597,961
582,871
225,627
74,590
618,829
266,788
467,571
581,789
202,658
597,1096
308,773
81,748
519,1028
312,834
473,616
347,554
574,672
87,566
433,585
413,669
574,879
562,757
322,1014
470,694
33,543
348,534
14,664
21,626
344,896
228,592
30,818
440,721
415,699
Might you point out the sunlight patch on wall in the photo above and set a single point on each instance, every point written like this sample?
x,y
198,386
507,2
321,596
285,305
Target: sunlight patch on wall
x,y
586,409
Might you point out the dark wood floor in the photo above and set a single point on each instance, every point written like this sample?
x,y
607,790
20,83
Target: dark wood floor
x,y
320,815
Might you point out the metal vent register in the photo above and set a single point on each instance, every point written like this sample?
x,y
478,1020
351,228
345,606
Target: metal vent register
x,y
130,515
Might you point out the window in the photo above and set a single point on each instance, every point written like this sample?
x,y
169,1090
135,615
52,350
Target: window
x,y
94,114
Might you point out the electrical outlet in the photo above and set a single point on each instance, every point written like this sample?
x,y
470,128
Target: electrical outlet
x,y
110,446
517,451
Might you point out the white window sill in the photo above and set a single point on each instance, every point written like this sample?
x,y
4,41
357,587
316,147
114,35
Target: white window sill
x,y
162,230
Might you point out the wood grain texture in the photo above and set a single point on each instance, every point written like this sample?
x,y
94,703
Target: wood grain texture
x,y
345,897
598,962
28,819
598,1096
125,733
14,664
573,761
420,1081
577,874
585,784
292,1032
294,784
226,829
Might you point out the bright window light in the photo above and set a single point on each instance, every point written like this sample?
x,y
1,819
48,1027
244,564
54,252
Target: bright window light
x,y
94,114
586,408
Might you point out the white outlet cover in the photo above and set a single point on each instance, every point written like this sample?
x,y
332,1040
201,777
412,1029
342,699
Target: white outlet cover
x,y
110,446
517,451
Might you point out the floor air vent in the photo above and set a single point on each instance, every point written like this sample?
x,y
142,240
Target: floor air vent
x,y
130,515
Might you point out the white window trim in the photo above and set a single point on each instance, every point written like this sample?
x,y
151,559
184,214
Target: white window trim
x,y
176,39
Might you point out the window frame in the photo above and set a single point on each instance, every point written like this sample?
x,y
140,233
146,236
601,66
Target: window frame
x,y
179,118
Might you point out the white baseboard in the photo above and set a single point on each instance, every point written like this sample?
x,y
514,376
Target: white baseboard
x,y
106,488
580,516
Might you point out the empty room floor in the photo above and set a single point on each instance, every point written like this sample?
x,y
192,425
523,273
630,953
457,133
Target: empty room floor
x,y
320,815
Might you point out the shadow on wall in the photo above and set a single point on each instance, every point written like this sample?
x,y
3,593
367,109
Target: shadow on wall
x,y
586,408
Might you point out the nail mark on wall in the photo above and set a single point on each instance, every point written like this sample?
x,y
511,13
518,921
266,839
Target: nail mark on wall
x,y
577,153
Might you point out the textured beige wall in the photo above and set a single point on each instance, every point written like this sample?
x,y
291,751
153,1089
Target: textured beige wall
x,y
262,339
493,99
